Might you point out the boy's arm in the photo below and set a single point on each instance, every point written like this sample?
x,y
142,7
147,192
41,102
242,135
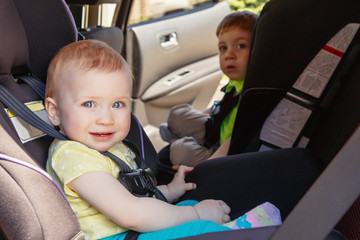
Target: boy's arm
x,y
223,150
139,214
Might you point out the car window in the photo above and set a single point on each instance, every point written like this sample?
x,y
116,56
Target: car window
x,y
152,9
107,11
145,10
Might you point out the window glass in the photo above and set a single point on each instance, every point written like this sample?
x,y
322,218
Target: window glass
x,y
106,14
144,10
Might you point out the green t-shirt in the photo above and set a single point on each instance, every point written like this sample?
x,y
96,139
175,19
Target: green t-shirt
x,y
227,124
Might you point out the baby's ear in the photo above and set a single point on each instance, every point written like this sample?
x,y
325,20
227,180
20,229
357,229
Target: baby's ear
x,y
52,111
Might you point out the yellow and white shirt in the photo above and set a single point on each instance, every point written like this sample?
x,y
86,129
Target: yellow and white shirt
x,y
68,160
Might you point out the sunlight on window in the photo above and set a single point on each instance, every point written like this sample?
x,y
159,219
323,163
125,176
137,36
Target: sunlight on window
x,y
107,12
144,10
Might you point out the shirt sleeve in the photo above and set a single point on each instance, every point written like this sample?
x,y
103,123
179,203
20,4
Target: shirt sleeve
x,y
72,160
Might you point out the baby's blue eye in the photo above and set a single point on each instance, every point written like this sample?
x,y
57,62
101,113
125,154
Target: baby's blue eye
x,y
89,104
118,105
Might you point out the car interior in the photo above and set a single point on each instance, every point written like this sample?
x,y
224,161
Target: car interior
x,y
186,59
301,91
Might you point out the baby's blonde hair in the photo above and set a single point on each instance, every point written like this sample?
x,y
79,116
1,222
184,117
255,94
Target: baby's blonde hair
x,y
244,20
84,55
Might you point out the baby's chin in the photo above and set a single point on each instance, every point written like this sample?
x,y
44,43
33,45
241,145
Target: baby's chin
x,y
98,147
101,149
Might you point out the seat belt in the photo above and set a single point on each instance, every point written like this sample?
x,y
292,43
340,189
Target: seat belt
x,y
26,114
139,182
284,127
328,199
38,86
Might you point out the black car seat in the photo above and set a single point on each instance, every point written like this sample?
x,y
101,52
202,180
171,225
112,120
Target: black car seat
x,y
291,47
302,82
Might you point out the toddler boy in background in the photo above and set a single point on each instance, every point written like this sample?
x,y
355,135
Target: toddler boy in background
x,y
196,136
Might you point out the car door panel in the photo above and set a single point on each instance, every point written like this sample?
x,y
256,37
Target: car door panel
x,y
181,78
193,87
174,65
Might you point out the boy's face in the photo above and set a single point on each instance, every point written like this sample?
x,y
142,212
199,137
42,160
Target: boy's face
x,y
92,107
234,48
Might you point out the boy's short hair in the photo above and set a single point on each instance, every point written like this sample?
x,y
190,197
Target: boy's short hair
x,y
244,20
84,55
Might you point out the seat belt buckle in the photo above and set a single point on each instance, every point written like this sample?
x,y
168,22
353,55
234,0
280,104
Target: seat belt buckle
x,y
139,182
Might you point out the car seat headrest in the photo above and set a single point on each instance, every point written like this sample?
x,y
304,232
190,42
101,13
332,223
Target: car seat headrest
x,y
36,40
13,43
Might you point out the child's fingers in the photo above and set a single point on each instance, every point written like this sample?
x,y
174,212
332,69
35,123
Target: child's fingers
x,y
190,186
226,218
175,167
225,207
183,169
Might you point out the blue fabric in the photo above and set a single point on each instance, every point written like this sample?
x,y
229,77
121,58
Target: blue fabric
x,y
184,230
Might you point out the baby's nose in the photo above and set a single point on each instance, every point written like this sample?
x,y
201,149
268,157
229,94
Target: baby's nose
x,y
105,117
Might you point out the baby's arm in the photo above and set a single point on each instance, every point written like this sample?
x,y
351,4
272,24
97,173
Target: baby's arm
x,y
110,197
177,187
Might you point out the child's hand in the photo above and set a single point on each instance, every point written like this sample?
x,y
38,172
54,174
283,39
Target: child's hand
x,y
213,210
177,187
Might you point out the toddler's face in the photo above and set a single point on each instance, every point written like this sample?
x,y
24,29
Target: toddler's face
x,y
234,48
94,107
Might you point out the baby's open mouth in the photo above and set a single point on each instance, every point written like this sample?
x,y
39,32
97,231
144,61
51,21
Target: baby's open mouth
x,y
102,134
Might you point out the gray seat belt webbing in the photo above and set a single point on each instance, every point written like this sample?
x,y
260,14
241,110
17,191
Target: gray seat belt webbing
x,y
38,86
22,111
328,199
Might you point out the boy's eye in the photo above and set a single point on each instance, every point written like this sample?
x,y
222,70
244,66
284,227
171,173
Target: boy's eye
x,y
118,105
241,46
222,48
89,104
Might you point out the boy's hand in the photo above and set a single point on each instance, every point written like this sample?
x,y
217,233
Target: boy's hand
x,y
177,187
213,210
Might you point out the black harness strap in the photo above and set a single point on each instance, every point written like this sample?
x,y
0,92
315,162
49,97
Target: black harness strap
x,y
139,182
38,86
219,112
26,114
123,166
